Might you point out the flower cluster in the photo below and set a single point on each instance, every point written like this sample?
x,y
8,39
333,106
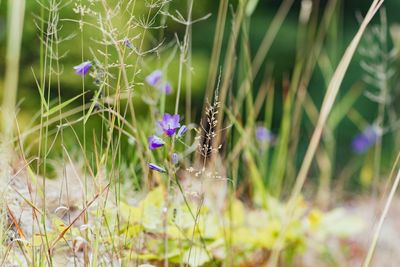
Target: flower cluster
x,y
168,125
155,79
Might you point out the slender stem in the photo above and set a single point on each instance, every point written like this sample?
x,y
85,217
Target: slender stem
x,y
385,211
16,11
15,19
326,107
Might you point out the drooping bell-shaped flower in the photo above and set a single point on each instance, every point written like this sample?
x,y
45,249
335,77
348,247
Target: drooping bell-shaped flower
x,y
127,43
83,68
155,142
169,124
264,135
154,78
181,131
363,141
165,88
155,167
175,158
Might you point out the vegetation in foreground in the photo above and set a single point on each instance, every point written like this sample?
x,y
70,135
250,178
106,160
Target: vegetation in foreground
x,y
133,170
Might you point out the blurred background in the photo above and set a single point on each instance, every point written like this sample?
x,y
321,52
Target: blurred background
x,y
280,63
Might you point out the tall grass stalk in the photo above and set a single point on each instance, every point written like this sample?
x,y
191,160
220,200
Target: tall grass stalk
x,y
216,51
306,75
45,86
229,68
384,91
15,20
383,216
251,71
329,99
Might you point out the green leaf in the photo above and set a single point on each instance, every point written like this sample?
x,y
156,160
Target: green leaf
x,y
62,105
251,6
96,97
342,108
42,98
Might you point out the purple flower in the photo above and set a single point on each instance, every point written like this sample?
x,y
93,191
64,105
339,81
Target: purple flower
x,y
363,141
155,142
166,88
155,167
181,131
169,124
154,77
175,159
127,43
83,68
264,135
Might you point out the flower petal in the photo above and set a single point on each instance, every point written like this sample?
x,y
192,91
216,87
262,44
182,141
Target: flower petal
x,y
264,135
127,43
82,68
181,131
155,167
363,141
170,123
155,142
154,77
175,159
165,88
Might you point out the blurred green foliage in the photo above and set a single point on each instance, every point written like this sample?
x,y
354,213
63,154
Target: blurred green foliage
x,y
281,57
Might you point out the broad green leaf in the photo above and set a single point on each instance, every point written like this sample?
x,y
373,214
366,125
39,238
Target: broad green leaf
x,y
154,197
129,213
153,218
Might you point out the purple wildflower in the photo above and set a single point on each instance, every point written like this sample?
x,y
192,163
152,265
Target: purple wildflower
x,y
155,167
264,135
166,88
181,131
363,141
155,142
169,123
154,77
175,159
127,43
83,68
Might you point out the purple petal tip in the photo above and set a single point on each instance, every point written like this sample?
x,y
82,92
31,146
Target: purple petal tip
x,y
155,167
154,77
83,68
